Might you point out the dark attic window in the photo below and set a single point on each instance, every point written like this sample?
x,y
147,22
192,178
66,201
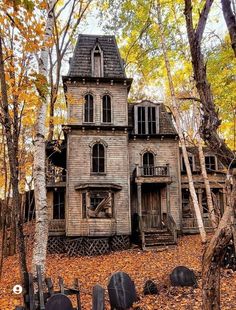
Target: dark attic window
x,y
97,62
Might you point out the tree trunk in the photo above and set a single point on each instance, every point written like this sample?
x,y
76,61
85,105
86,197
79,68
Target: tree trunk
x,y
41,227
175,111
208,130
230,20
211,211
12,148
214,253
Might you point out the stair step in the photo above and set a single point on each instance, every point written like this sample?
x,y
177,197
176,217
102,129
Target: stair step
x,y
160,243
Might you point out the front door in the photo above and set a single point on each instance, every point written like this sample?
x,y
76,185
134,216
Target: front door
x,y
151,206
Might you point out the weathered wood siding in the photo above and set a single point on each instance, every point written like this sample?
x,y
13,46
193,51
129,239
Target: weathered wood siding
x,y
117,92
79,171
167,152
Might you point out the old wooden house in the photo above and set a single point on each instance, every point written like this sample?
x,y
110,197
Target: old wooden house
x,y
119,171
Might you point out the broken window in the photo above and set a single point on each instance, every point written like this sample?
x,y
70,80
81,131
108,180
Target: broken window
x,y
100,204
186,203
106,109
210,162
98,158
191,161
88,108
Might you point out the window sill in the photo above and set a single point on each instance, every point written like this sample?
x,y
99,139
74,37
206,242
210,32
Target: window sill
x,y
98,173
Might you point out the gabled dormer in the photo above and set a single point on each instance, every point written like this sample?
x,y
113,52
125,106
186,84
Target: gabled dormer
x,y
146,118
97,61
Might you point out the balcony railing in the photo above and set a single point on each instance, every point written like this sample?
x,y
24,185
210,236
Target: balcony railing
x,y
55,174
152,171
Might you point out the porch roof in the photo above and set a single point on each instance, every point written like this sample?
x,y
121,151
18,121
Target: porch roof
x,y
111,186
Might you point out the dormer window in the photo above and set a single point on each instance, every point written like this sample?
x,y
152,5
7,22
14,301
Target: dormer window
x,y
97,61
210,162
88,108
146,120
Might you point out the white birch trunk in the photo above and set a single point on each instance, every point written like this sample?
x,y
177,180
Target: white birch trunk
x,y
41,228
211,209
176,115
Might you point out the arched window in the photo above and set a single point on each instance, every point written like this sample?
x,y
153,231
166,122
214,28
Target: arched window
x,y
98,158
88,108
106,109
148,163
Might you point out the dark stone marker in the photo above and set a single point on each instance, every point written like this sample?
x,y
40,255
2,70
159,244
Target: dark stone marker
x,y
59,302
150,288
98,298
229,260
121,290
183,276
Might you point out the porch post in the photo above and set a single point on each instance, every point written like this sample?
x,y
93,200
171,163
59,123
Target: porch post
x,y
139,196
168,198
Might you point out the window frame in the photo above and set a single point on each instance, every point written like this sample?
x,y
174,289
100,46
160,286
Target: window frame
x,y
105,145
93,52
182,164
146,107
216,165
111,109
84,109
86,197
59,192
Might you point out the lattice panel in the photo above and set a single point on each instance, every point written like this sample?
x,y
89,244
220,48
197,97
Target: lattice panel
x,y
119,243
96,246
75,247
56,245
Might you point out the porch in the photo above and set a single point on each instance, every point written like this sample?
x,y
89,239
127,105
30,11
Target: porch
x,y
156,225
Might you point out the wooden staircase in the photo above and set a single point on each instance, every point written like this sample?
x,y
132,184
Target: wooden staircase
x,y
159,238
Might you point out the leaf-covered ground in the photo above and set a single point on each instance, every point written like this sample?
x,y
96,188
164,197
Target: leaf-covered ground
x,y
141,266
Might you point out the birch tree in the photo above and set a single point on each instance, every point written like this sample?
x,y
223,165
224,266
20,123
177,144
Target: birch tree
x,y
175,111
41,226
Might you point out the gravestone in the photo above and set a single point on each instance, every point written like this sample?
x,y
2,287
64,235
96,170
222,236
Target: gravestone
x,y
59,302
150,288
183,276
98,298
121,290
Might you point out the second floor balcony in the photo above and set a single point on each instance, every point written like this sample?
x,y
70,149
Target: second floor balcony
x,y
152,174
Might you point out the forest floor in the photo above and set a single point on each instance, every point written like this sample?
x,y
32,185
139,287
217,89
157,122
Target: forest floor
x,y
141,266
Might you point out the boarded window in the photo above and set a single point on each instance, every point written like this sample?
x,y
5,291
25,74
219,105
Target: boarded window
x,y
210,162
106,109
98,158
97,62
88,108
100,204
58,204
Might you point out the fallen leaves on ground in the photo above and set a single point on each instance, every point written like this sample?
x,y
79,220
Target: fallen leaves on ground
x,y
141,266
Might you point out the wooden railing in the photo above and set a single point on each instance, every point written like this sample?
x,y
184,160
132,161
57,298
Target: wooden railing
x,y
171,225
152,171
57,225
55,174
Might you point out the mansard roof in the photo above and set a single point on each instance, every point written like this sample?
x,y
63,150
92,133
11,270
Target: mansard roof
x,y
165,121
81,62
